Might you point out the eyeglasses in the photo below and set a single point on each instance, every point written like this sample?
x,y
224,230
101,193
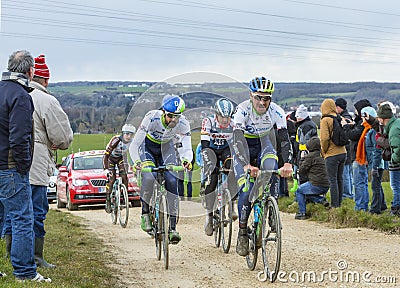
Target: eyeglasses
x,y
259,97
172,115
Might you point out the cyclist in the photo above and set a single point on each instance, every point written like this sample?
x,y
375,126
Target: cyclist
x,y
153,145
114,156
216,135
254,139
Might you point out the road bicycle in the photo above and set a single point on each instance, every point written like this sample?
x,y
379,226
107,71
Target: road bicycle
x,y
119,203
222,220
159,210
264,225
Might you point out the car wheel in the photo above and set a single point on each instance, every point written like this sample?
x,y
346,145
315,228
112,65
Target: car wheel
x,y
70,205
135,203
59,203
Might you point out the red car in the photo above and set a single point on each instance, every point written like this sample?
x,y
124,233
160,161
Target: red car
x,y
81,181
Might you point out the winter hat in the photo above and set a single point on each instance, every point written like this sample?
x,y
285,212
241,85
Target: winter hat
x,y
385,112
390,104
341,103
301,112
369,110
41,69
292,116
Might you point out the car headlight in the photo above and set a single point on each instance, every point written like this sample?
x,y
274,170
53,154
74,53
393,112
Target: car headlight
x,y
80,182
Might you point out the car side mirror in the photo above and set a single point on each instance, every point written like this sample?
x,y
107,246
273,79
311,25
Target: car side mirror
x,y
62,169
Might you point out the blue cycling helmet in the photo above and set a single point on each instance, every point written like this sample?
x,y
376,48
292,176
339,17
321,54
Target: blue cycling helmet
x,y
224,107
173,104
261,84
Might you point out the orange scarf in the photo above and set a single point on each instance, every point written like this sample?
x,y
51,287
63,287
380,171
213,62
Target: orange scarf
x,y
361,154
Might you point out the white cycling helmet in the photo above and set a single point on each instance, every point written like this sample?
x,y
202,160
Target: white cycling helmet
x,y
128,128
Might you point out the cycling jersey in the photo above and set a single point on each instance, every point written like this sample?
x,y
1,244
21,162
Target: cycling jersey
x,y
211,131
154,128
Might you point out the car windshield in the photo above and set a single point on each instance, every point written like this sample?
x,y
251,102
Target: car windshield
x,y
88,162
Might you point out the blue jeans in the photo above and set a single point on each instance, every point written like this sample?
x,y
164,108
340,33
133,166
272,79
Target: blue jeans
x,y
395,185
16,197
361,195
348,181
378,198
334,168
307,189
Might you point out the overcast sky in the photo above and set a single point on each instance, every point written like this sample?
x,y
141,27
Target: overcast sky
x,y
286,40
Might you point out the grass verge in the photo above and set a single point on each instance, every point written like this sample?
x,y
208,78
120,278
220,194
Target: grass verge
x,y
80,257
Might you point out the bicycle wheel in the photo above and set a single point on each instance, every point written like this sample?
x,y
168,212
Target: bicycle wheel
x,y
114,207
123,207
217,225
157,227
251,258
271,239
225,215
164,224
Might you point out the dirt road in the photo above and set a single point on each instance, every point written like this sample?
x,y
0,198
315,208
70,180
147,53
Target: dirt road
x,y
336,257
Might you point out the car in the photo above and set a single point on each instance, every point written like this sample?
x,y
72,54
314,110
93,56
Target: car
x,y
81,181
52,187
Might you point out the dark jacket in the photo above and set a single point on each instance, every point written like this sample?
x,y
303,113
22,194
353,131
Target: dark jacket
x,y
345,114
314,164
16,110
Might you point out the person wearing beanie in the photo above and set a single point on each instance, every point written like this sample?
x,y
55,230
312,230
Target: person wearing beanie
x,y
392,130
354,131
306,129
341,109
52,132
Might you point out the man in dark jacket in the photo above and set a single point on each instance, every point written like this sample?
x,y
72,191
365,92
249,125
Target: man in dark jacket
x,y
313,165
341,109
16,110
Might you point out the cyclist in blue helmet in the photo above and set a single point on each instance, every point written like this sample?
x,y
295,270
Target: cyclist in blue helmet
x,y
153,145
259,123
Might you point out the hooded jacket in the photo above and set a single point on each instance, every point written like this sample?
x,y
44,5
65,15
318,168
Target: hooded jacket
x,y
328,148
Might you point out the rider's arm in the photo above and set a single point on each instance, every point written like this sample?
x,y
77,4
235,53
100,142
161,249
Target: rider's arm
x,y
185,152
205,133
240,147
110,147
139,137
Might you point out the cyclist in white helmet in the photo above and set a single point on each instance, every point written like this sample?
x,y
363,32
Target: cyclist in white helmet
x,y
216,137
260,133
114,156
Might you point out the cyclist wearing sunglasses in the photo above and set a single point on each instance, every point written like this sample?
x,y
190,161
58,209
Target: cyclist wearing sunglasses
x,y
153,145
256,146
216,137
114,157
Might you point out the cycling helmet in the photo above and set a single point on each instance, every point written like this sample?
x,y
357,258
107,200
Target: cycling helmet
x,y
128,128
173,104
224,107
261,84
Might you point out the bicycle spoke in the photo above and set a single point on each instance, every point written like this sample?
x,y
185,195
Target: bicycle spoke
x,y
123,208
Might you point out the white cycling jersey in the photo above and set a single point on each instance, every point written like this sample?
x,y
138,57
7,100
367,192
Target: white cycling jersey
x,y
154,128
218,136
255,125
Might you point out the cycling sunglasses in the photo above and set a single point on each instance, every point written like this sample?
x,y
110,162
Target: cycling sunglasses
x,y
172,115
259,97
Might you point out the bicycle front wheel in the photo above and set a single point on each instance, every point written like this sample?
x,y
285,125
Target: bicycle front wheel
x,y
251,258
163,228
114,207
123,207
271,239
225,217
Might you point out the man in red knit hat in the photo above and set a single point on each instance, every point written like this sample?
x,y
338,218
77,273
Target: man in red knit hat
x,y
52,132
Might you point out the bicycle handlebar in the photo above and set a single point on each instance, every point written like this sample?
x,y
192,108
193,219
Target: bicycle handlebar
x,y
174,168
259,174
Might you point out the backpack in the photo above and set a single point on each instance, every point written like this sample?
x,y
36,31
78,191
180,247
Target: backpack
x,y
339,136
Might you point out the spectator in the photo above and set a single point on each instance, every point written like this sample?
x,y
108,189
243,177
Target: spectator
x,y
354,131
392,130
291,123
341,109
375,164
335,156
313,165
306,129
16,143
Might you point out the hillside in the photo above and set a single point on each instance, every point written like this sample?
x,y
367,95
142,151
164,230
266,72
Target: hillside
x,y
104,106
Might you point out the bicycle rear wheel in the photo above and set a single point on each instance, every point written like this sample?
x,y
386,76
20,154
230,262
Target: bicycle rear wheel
x,y
271,239
123,207
164,224
225,216
251,258
114,207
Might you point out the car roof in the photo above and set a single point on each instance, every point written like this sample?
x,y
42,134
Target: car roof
x,y
88,153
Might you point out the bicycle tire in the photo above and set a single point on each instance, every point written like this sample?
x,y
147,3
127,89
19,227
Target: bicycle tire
x,y
156,230
226,221
114,207
252,257
271,239
164,224
217,226
123,207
